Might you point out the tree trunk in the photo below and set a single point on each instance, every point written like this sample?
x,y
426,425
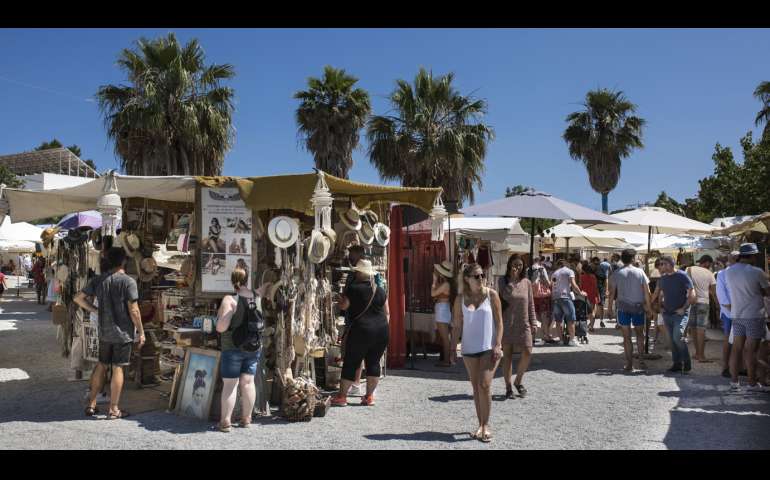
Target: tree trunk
x,y
604,203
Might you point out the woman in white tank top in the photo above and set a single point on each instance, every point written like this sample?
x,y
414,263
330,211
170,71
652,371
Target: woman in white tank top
x,y
478,314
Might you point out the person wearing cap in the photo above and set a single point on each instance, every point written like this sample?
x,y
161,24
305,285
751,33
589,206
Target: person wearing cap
x,y
677,293
705,285
367,339
747,285
441,291
723,297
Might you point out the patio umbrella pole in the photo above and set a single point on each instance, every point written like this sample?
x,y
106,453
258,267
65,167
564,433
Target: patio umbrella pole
x,y
647,354
531,246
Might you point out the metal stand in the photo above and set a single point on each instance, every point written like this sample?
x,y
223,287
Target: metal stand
x,y
647,355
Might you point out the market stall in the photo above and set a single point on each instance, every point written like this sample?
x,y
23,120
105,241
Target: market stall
x,y
185,235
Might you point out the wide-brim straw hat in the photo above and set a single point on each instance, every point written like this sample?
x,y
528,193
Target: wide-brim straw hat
x,y
48,234
365,266
382,234
148,269
444,268
283,231
130,243
319,247
351,218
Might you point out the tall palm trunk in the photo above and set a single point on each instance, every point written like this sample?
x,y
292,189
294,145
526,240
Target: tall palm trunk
x,y
605,208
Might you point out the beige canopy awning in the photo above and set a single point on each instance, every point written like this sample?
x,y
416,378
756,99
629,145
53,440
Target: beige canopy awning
x,y
26,205
293,192
760,223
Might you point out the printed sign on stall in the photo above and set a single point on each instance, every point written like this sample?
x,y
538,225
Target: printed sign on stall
x,y
226,234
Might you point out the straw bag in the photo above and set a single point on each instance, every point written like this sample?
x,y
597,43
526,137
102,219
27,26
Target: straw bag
x,y
59,314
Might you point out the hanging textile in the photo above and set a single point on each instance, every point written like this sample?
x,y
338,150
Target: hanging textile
x,y
396,300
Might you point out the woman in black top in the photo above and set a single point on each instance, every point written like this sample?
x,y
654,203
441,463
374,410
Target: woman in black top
x,y
367,339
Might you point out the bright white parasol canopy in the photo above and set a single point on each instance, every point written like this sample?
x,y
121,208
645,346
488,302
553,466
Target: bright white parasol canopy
x,y
539,205
658,219
19,231
580,237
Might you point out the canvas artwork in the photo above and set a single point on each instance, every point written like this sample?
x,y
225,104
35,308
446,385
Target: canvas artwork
x,y
198,382
226,237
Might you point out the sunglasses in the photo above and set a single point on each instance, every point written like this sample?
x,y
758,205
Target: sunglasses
x,y
477,277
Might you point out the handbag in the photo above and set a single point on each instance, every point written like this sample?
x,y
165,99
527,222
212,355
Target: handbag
x,y
59,314
540,289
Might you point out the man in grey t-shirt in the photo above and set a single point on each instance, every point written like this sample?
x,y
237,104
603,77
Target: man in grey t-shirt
x,y
119,316
633,304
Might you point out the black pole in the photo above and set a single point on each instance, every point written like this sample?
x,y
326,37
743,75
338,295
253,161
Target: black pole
x,y
531,246
647,270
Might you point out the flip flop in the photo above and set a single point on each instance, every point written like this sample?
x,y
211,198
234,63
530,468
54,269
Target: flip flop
x,y
486,438
90,412
121,414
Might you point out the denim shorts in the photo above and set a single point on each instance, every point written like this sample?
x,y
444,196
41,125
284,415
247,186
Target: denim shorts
x,y
699,315
235,362
563,310
625,319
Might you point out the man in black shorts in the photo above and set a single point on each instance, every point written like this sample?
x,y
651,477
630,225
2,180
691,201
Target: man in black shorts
x,y
119,317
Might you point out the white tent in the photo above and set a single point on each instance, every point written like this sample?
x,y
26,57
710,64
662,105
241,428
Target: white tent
x,y
19,231
497,229
20,246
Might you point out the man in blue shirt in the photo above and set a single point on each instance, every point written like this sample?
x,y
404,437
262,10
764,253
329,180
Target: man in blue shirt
x,y
678,294
723,296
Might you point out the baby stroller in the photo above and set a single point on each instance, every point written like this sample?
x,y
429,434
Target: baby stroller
x,y
581,321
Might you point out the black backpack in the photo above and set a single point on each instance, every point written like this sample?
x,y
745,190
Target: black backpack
x,y
246,335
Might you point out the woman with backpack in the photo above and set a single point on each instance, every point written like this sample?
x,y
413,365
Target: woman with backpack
x,y
519,323
367,339
236,321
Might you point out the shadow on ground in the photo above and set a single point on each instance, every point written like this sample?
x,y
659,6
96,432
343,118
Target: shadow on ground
x,y
423,437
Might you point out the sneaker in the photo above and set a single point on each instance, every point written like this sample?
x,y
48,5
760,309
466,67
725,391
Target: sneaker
x,y
687,368
355,390
601,324
368,400
675,369
573,343
735,387
338,401
726,373
757,388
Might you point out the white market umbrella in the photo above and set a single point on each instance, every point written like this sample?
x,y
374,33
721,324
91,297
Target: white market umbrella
x,y
570,234
539,205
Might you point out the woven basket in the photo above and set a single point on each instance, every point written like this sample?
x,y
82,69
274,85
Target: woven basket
x,y
299,400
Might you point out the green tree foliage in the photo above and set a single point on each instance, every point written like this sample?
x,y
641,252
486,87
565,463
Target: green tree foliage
x,y
175,116
330,115
602,135
435,138
762,93
9,178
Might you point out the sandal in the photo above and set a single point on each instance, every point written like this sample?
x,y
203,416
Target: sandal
x,y
224,428
244,423
509,394
590,329
91,411
522,391
486,437
120,414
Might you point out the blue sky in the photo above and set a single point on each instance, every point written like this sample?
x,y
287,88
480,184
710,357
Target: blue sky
x,y
693,86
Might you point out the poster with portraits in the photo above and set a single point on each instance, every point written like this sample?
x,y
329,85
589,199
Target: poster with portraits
x,y
226,238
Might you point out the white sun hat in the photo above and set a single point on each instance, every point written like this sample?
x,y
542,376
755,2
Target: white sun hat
x,y
283,231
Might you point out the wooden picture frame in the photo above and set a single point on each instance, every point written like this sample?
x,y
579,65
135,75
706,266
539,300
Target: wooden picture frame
x,y
198,383
174,388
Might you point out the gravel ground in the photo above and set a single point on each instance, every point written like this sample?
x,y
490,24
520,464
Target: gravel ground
x,y
579,397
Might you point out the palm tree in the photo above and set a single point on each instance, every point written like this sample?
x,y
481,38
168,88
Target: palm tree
x,y
175,117
602,135
762,93
434,139
330,115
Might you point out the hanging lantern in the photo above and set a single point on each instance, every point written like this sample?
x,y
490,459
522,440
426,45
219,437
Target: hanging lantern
x,y
437,215
109,205
322,201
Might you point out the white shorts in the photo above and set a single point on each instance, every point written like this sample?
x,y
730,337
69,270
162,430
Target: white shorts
x,y
442,313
